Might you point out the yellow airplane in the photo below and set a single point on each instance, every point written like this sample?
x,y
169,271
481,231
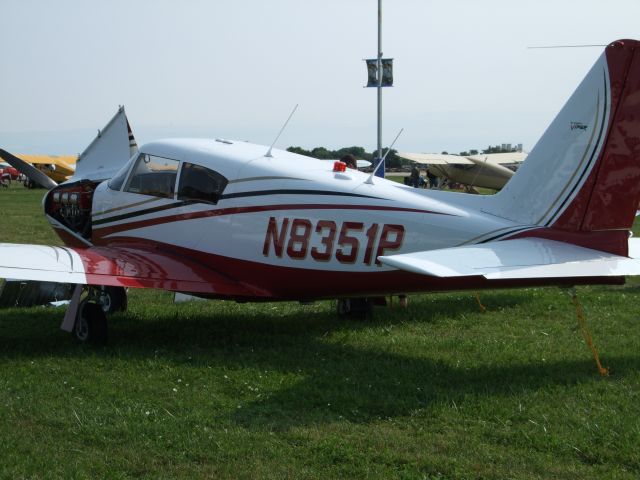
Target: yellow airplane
x,y
57,167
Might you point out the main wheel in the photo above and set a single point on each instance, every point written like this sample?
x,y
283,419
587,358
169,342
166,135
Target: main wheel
x,y
362,308
91,324
343,307
355,308
113,299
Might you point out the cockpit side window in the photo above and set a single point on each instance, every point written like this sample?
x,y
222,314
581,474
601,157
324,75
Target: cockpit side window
x,y
152,175
200,184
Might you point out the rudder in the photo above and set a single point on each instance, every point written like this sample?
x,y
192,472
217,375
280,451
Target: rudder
x,y
583,176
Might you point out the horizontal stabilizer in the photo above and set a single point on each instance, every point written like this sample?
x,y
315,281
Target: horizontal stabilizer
x,y
515,259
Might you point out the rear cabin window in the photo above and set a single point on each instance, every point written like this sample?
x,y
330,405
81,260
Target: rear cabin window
x,y
200,184
155,176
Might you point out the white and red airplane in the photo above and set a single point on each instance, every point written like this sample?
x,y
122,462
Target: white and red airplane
x,y
229,219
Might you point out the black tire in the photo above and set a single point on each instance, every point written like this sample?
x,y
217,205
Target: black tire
x,y
343,307
91,324
362,308
113,299
355,308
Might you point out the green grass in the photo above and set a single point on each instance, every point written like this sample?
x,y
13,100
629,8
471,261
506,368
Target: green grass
x,y
280,390
22,218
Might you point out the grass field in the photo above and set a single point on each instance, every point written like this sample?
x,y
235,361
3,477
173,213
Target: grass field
x,y
281,390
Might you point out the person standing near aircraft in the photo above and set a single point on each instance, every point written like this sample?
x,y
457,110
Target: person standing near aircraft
x,y
414,178
432,178
350,161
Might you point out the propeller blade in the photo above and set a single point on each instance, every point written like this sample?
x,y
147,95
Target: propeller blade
x,y
27,169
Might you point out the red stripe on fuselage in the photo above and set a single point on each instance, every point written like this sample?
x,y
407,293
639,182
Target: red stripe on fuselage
x,y
100,232
272,282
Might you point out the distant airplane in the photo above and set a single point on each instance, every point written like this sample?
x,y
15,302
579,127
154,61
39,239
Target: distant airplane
x,y
7,172
474,170
57,167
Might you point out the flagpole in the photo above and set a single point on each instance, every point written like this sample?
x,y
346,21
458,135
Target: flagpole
x,y
379,155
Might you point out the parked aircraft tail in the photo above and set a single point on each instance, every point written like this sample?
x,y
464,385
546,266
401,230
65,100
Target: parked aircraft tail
x,y
582,179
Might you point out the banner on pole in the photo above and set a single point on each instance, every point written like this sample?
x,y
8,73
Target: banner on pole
x,y
372,72
387,72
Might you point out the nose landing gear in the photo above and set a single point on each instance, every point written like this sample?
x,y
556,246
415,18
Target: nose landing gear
x,y
91,324
86,317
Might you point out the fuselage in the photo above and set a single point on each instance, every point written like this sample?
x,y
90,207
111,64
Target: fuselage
x,y
287,225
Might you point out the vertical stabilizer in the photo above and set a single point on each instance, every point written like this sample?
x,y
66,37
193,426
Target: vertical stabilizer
x,y
583,175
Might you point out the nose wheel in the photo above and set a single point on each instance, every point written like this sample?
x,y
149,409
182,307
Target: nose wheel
x,y
86,317
91,324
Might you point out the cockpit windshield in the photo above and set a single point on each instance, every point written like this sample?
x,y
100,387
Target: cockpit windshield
x,y
118,179
154,176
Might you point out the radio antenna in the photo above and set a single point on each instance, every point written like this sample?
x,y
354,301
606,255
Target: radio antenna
x,y
564,46
281,130
381,162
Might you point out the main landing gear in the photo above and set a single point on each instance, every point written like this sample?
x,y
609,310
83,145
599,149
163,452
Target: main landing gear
x,y
362,308
355,308
86,317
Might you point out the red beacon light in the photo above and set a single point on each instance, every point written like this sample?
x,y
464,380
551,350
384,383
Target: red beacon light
x,y
339,166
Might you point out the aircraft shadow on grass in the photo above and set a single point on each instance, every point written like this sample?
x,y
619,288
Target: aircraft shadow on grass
x,y
339,380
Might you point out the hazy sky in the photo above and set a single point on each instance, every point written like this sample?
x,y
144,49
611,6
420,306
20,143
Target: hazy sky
x,y
235,68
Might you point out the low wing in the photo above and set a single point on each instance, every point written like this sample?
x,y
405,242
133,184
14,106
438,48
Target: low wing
x,y
515,259
124,267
